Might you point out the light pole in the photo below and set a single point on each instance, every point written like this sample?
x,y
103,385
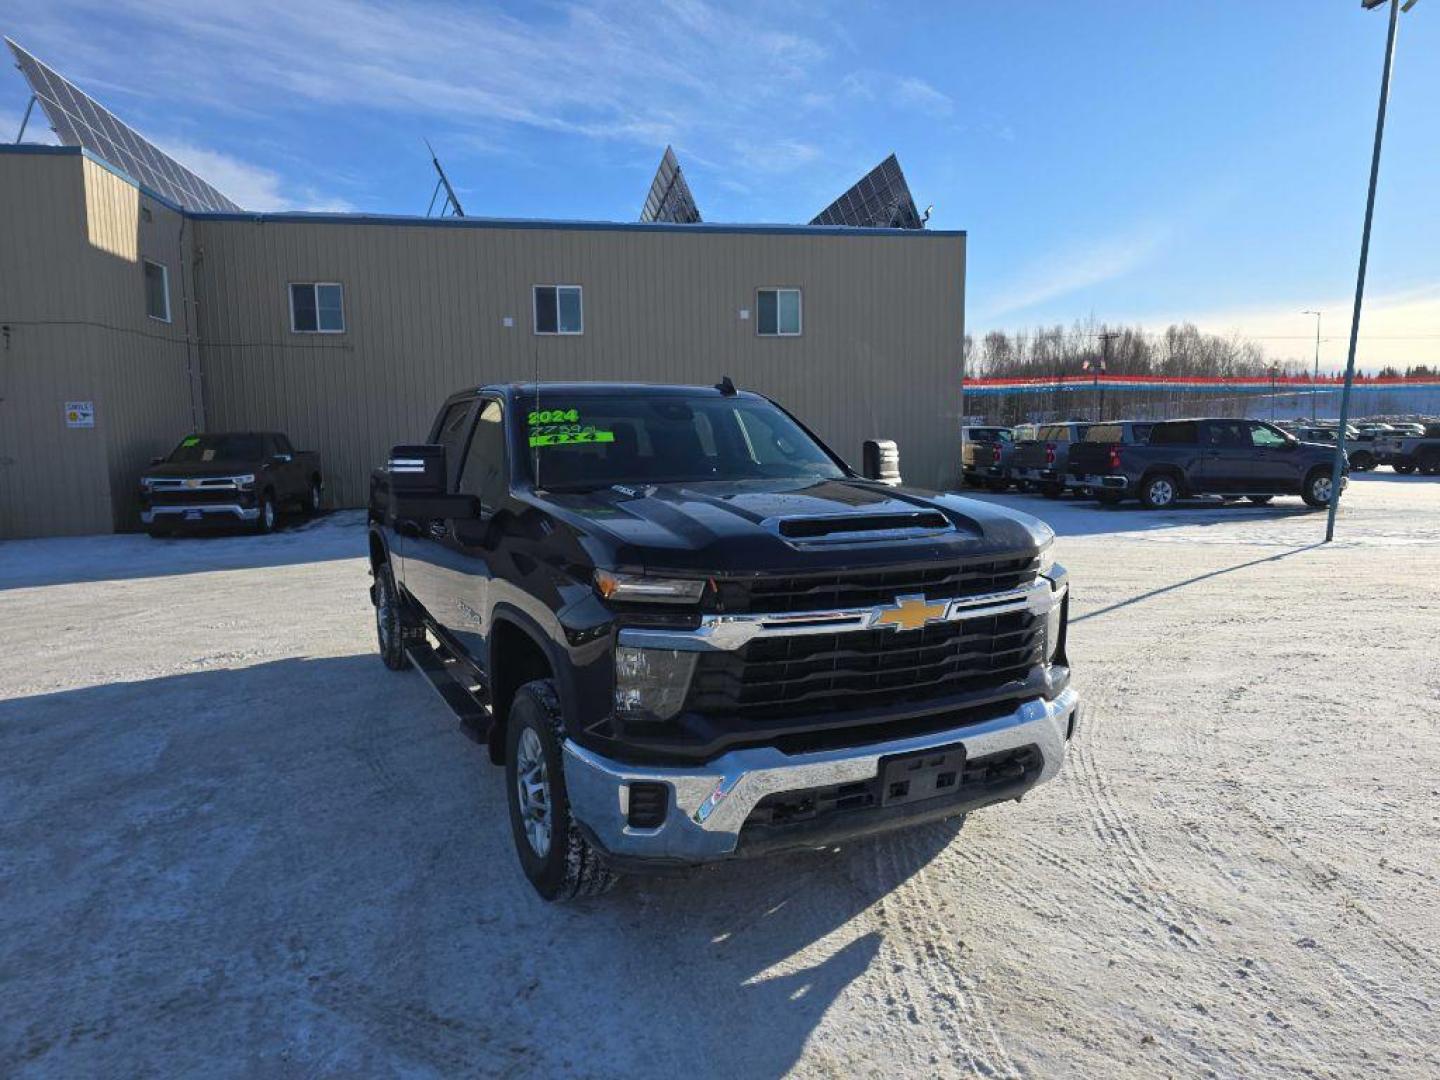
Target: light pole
x,y
1314,383
1339,463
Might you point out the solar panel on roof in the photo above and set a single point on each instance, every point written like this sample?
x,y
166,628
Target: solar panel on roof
x,y
879,200
80,120
669,198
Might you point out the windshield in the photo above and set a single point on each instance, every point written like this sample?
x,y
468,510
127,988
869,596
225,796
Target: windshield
x,y
593,441
196,449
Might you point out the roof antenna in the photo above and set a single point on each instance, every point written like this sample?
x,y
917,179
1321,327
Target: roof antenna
x,y
451,203
725,386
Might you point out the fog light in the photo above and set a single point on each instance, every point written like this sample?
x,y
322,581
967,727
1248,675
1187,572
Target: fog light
x,y
648,803
652,683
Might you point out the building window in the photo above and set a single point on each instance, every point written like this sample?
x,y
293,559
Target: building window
x,y
157,291
559,309
779,313
317,307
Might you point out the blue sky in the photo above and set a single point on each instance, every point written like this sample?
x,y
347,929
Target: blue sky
x,y
1123,159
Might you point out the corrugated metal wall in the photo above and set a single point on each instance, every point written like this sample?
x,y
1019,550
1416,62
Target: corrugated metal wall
x,y
72,295
425,309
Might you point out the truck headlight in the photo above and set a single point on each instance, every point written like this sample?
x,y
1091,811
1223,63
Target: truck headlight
x,y
651,684
146,483
640,587
244,480
1047,558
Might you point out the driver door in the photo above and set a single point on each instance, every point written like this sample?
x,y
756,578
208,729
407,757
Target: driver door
x,y
454,555
1273,465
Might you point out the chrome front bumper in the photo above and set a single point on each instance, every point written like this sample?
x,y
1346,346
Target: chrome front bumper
x,y
240,513
709,805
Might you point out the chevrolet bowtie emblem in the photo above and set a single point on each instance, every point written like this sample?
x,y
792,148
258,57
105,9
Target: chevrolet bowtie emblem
x,y
910,613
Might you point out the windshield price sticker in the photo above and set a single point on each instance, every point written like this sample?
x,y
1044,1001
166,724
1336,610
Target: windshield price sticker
x,y
193,440
570,436
562,427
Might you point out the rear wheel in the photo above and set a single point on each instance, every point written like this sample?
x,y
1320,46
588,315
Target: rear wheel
x,y
1318,488
559,862
1404,468
1158,492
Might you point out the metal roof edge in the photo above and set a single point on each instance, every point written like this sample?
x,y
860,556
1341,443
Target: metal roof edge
x,y
332,218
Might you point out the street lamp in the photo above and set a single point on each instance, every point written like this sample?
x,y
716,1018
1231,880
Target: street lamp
x,y
1364,256
1315,382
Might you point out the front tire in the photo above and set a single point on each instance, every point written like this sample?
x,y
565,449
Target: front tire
x,y
265,519
557,859
1159,492
1318,488
389,620
312,499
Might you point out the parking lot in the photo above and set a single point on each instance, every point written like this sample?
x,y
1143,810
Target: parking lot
x,y
232,843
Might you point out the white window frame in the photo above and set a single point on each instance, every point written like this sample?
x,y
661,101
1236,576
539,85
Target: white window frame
x,y
535,310
777,289
165,282
314,285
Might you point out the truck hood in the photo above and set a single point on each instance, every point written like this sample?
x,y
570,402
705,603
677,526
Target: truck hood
x,y
174,471
756,526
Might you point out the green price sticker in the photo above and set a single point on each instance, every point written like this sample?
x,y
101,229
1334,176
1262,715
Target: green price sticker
x,y
192,441
572,438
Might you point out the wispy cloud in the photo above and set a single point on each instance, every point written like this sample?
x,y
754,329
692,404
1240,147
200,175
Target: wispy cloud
x,y
1074,270
905,92
598,69
252,186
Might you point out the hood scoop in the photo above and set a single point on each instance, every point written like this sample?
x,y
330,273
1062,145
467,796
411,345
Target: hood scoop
x,y
858,528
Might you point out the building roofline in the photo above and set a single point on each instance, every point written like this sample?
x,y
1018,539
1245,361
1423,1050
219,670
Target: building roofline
x,y
331,218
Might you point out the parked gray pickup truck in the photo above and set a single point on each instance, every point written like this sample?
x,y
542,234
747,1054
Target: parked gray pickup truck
x,y
985,454
1043,462
1407,454
1226,457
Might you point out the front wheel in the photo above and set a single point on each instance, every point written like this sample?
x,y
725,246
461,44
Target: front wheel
x,y
312,498
389,620
265,519
1318,488
1158,492
559,862
1405,468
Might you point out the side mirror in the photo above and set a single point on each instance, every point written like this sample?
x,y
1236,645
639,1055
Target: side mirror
x,y
284,459
417,468
881,461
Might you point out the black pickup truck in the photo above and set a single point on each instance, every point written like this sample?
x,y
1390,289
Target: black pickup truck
x,y
690,632
1225,457
238,477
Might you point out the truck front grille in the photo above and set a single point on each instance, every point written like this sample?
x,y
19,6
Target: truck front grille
x,y
817,592
789,676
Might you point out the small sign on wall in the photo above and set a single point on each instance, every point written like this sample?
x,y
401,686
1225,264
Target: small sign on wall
x,y
79,414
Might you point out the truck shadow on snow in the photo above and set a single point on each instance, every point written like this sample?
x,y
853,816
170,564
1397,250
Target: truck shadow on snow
x,y
233,869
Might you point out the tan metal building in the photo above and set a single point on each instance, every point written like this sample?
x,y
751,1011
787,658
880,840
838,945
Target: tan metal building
x,y
857,331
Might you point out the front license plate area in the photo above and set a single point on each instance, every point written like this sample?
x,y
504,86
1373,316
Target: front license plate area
x,y
192,515
907,778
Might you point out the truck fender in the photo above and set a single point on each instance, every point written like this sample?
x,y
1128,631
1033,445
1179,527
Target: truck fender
x,y
520,651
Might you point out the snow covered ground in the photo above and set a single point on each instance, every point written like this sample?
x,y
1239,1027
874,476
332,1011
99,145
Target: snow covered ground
x,y
232,843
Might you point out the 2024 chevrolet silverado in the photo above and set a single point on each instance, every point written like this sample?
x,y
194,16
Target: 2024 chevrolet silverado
x,y
229,478
690,632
